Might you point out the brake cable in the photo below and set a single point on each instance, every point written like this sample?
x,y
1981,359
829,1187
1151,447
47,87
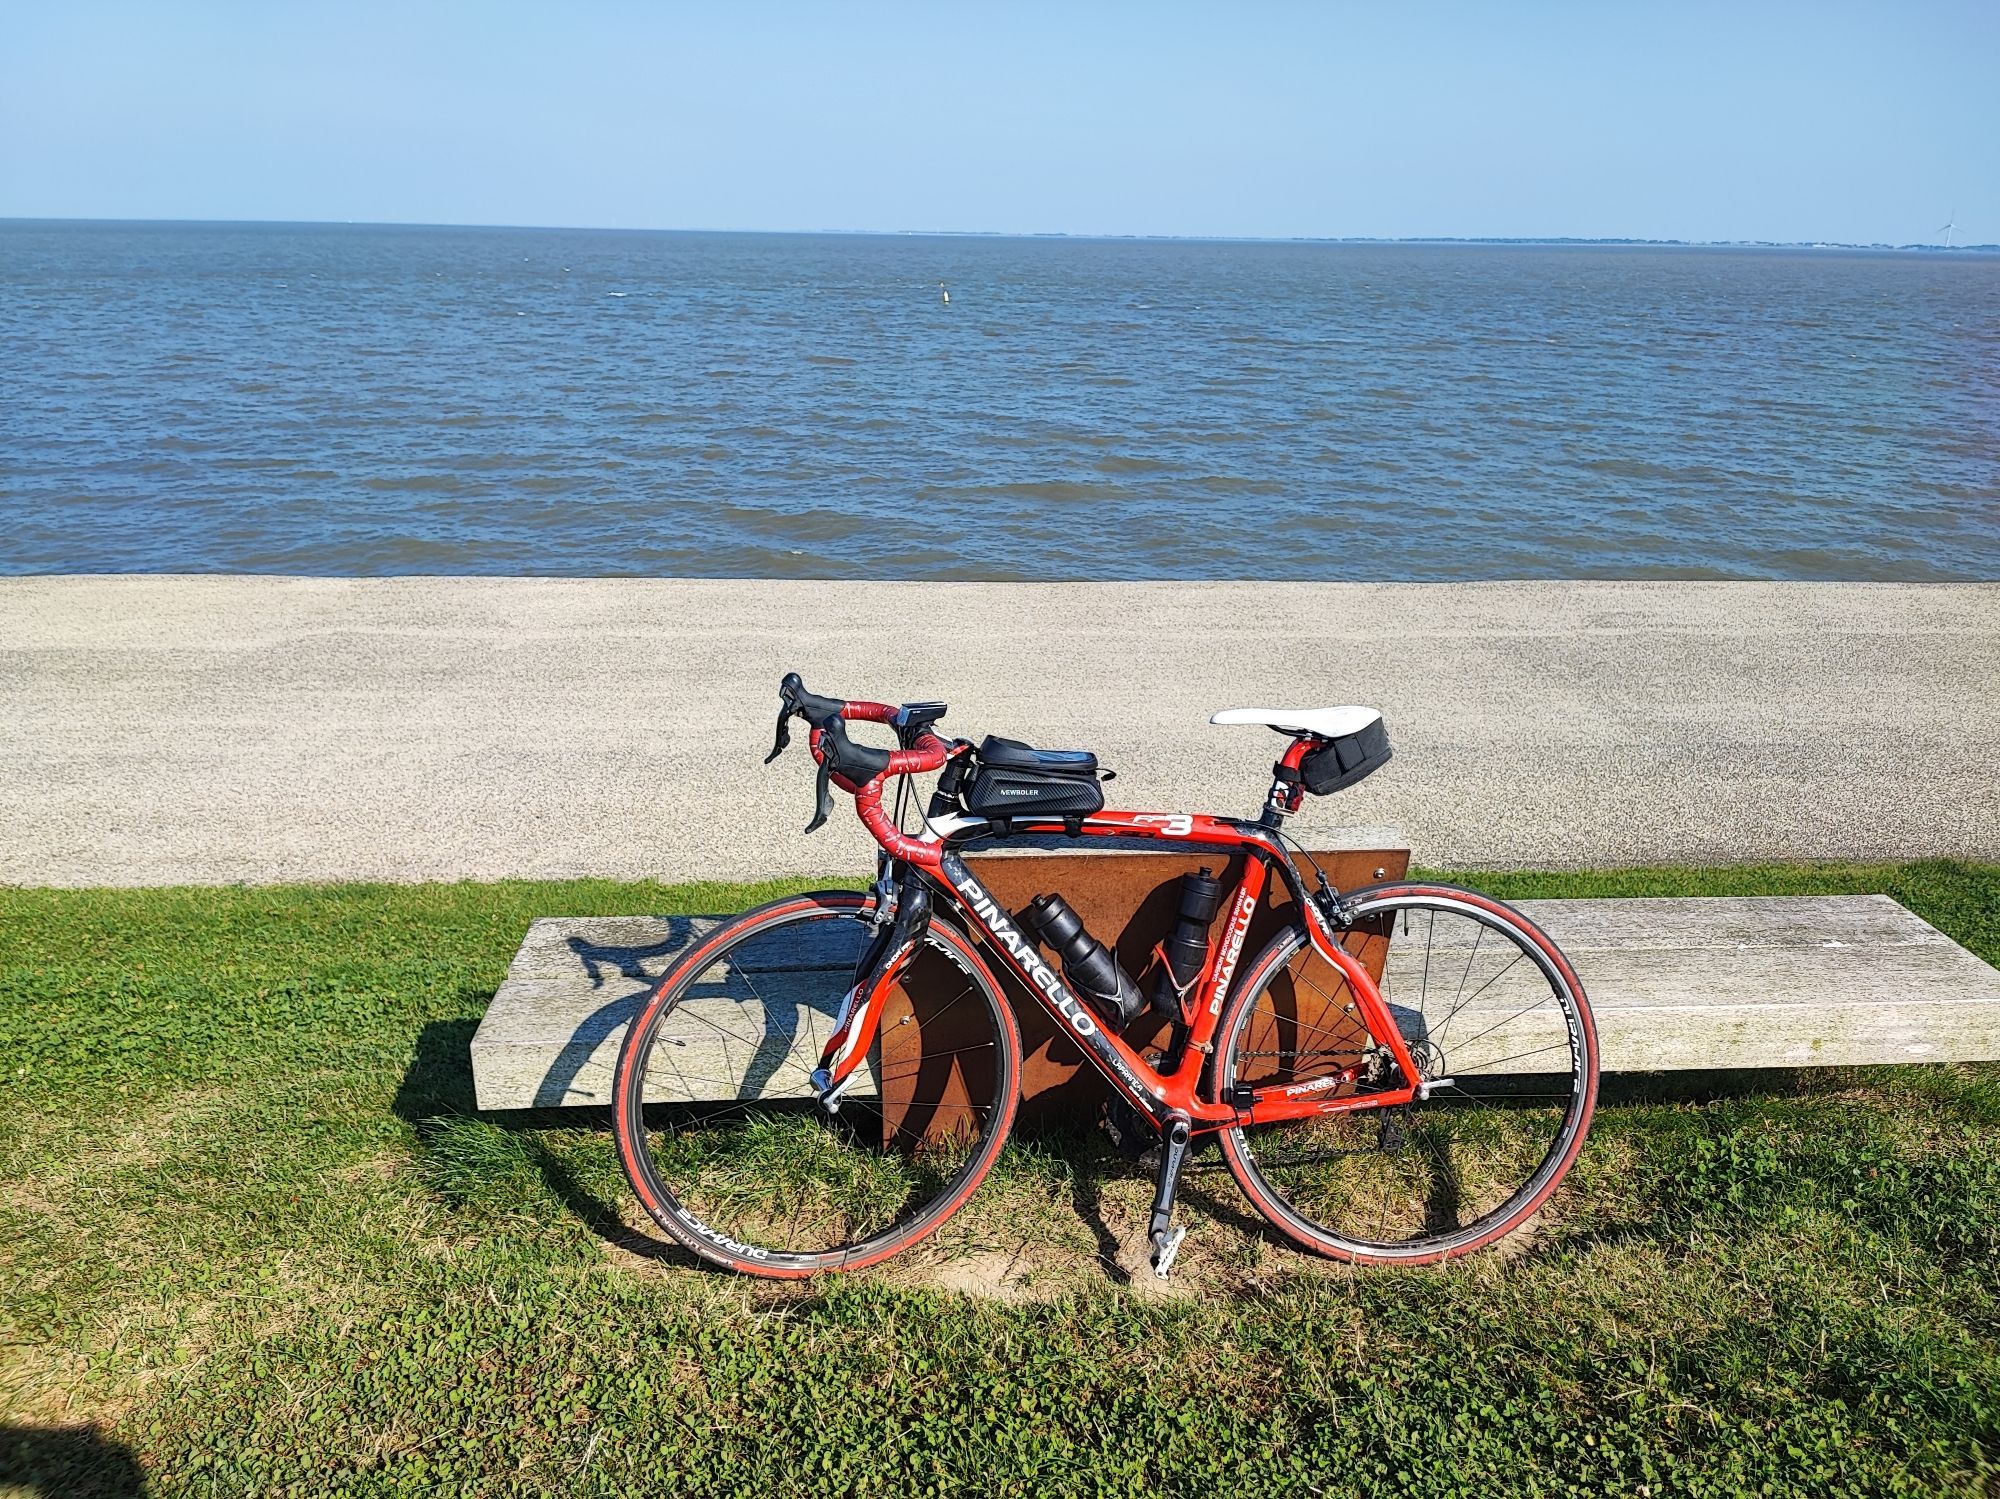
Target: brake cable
x,y
1331,902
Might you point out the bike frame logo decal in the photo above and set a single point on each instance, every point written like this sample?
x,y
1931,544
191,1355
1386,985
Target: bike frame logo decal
x,y
1317,1085
1232,947
1170,824
1024,952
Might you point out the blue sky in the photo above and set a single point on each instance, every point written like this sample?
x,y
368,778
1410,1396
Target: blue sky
x,y
1801,122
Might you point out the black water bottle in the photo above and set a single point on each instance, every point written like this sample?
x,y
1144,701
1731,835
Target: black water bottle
x,y
1187,947
1087,963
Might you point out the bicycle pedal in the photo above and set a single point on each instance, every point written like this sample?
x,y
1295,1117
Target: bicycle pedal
x,y
1165,1247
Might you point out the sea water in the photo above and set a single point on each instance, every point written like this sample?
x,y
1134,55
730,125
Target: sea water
x,y
364,400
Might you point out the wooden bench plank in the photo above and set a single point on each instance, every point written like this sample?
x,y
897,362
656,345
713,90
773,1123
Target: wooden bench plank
x,y
1774,981
1699,983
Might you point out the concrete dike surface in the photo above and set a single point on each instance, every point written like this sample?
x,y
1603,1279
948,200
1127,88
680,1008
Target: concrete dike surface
x,y
158,730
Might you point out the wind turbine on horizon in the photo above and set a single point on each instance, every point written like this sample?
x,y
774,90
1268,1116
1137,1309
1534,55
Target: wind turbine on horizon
x,y
1947,226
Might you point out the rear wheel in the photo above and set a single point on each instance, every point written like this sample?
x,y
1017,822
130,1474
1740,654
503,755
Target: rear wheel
x,y
1482,998
723,1136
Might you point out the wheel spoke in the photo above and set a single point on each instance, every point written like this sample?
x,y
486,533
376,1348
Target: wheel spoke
x,y
1533,1004
1481,990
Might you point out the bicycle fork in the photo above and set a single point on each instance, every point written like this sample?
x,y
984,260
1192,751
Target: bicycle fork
x,y
860,1013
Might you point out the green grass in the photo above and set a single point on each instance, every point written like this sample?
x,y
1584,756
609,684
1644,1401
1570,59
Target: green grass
x,y
253,1239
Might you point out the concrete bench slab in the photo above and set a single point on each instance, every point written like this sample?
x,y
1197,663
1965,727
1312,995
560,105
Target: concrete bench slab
x,y
1676,984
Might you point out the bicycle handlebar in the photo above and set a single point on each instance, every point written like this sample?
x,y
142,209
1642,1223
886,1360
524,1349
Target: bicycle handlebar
x,y
858,767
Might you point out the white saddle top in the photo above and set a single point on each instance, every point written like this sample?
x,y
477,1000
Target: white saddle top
x,y
1334,723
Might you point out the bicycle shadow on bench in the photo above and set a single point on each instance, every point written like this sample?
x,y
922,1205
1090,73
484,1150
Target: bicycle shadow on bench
x,y
471,1157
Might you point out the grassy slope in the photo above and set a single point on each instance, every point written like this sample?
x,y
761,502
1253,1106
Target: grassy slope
x,y
250,1230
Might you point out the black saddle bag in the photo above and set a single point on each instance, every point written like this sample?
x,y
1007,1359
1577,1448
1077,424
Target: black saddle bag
x,y
1012,779
1343,761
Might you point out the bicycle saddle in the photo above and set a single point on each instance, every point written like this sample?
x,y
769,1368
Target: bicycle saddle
x,y
1011,754
1328,723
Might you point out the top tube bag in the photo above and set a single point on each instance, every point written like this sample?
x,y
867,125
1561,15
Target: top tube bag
x,y
1012,779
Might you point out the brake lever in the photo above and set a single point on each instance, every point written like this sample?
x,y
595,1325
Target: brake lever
x,y
784,736
824,808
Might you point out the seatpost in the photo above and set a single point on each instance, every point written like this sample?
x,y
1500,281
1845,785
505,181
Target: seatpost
x,y
1288,787
1276,805
1287,791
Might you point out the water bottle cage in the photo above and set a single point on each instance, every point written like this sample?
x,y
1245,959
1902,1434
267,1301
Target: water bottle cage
x,y
1183,993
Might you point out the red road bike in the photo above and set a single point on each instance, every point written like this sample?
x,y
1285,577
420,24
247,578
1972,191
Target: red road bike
x,y
819,1083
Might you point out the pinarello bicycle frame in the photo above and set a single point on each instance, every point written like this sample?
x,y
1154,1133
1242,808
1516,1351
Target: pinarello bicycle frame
x,y
919,865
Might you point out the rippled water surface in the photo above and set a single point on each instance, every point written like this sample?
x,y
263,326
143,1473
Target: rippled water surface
x,y
331,399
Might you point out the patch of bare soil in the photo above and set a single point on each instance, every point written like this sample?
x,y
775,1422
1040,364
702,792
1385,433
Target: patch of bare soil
x,y
1039,1237
989,1276
1027,1240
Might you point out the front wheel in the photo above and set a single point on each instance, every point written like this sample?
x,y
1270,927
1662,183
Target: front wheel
x,y
722,1134
1484,999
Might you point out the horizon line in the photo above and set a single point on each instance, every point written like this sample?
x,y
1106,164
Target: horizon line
x,y
1258,239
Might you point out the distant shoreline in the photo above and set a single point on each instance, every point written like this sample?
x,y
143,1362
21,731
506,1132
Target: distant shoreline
x,y
1529,241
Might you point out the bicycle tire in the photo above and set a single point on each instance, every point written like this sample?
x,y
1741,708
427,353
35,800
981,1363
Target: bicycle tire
x,y
1452,1146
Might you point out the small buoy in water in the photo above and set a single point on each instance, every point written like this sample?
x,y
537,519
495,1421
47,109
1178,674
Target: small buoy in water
x,y
944,294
